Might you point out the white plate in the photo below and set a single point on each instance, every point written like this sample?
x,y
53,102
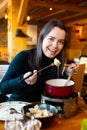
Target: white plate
x,y
5,113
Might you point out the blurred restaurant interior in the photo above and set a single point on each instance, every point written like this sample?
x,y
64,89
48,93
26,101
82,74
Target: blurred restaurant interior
x,y
22,20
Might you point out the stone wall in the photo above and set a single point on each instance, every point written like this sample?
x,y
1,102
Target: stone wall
x,y
3,33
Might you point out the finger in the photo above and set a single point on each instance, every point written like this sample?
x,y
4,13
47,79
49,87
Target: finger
x,y
73,65
27,74
35,72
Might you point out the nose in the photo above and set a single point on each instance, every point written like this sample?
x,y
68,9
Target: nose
x,y
55,44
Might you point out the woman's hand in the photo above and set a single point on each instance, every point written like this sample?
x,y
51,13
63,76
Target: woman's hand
x,y
32,77
73,66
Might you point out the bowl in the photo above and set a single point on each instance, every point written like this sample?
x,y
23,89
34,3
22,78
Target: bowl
x,y
45,121
57,88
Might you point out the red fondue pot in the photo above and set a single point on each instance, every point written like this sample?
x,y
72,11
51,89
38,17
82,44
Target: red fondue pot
x,y
56,88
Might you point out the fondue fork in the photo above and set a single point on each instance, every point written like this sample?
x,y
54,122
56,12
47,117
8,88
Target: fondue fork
x,y
52,64
56,62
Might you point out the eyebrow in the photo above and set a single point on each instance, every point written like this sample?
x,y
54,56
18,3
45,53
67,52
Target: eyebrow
x,y
54,37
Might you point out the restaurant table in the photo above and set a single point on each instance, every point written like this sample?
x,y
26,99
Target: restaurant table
x,y
71,123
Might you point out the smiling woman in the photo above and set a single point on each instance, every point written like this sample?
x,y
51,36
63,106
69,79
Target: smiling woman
x,y
51,44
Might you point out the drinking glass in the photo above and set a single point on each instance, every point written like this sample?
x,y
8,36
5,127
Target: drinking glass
x,y
15,124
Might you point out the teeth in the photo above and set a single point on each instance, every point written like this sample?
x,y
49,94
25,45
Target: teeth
x,y
56,62
52,50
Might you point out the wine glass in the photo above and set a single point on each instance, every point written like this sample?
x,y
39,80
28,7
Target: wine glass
x,y
76,60
15,124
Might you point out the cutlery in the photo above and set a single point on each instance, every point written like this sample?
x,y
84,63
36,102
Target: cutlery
x,y
56,62
13,110
37,72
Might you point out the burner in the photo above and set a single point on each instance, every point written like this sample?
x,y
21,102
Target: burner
x,y
67,107
67,97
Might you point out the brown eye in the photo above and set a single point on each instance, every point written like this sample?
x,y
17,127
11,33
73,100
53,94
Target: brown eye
x,y
61,42
51,39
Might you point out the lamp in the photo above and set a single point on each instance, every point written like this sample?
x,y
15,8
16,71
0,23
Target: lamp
x,y
28,18
6,15
19,33
76,31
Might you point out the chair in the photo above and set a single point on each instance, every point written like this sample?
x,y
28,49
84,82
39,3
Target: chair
x,y
83,60
78,79
3,69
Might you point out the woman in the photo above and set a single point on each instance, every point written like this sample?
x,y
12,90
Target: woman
x,y
51,44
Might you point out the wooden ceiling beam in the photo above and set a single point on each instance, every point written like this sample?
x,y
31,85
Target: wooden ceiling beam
x,y
75,19
3,7
22,12
49,15
72,16
70,7
3,4
83,3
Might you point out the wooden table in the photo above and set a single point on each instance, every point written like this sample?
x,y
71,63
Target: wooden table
x,y
72,123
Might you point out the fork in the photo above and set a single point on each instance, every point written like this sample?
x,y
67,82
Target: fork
x,y
52,64
13,110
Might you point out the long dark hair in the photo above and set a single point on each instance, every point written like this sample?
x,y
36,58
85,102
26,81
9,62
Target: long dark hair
x,y
45,30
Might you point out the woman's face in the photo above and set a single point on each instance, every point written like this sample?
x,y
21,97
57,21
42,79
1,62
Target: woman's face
x,y
53,42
